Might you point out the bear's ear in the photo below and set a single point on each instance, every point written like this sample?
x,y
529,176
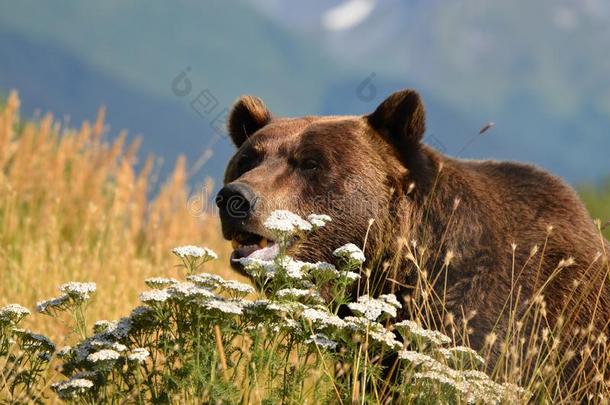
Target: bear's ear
x,y
248,115
401,118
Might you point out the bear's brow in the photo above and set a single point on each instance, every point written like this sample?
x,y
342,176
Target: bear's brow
x,y
335,128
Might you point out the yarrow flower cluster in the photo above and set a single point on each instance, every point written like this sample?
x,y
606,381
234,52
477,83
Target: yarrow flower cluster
x,y
57,304
322,341
206,280
322,318
318,220
195,252
286,222
188,290
78,291
413,330
154,296
195,323
13,313
350,253
372,309
473,386
460,353
235,287
74,294
103,356
299,293
138,355
72,387
34,341
160,282
223,307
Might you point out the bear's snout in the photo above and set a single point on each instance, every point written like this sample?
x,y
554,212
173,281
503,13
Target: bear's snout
x,y
235,202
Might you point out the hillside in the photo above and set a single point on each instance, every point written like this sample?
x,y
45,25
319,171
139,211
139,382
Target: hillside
x,y
126,55
541,80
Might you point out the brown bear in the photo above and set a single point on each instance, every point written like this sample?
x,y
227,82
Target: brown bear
x,y
492,238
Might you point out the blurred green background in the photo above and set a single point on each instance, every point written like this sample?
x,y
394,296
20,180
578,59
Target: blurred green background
x,y
537,69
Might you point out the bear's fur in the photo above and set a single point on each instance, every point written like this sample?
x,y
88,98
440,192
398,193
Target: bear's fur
x,y
496,236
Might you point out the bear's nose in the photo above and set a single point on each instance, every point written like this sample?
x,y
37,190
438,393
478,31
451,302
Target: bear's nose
x,y
235,201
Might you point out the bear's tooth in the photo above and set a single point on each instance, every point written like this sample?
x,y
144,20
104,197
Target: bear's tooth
x,y
263,243
234,243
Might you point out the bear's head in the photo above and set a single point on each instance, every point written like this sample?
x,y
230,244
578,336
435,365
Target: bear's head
x,y
353,168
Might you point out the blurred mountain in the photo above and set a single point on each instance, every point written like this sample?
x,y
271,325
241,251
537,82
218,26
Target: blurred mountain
x,y
536,69
71,57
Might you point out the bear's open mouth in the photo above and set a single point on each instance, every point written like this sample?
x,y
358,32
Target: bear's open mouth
x,y
252,246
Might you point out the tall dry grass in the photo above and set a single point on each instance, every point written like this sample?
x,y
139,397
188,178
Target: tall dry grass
x,y
75,207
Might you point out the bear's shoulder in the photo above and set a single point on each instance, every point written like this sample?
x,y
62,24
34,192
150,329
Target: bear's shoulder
x,y
515,173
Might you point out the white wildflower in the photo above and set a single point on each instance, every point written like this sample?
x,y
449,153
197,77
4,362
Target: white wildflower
x,y
371,308
286,222
188,290
350,252
474,375
296,293
35,341
104,355
262,307
226,307
140,311
432,336
101,326
322,269
116,346
78,291
88,374
514,392
441,378
349,275
428,363
73,383
206,280
415,358
102,343
72,387
322,341
461,352
138,355
322,318
195,252
154,296
160,282
82,350
391,300
120,329
64,352
318,220
258,267
386,338
235,287
358,324
58,303
291,325
293,268
13,313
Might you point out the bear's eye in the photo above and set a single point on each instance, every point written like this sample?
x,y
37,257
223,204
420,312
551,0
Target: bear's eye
x,y
247,162
309,165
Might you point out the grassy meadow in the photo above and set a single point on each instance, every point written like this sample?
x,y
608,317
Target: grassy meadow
x,y
74,207
77,208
